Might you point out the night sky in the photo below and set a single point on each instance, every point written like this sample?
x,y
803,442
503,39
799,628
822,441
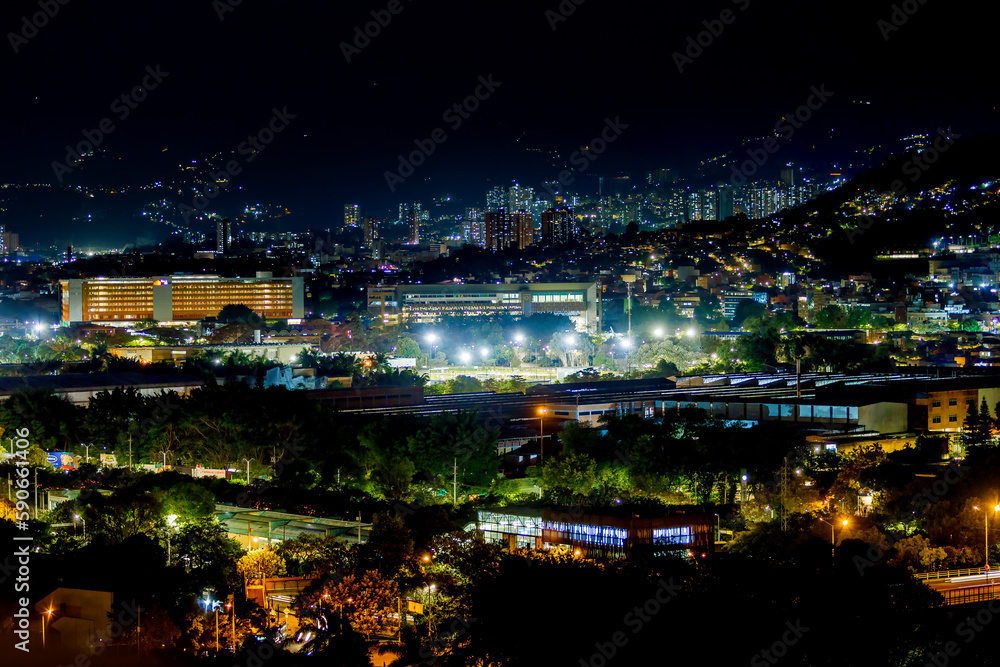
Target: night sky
x,y
230,66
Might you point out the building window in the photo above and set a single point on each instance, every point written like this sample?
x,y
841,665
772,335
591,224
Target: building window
x,y
970,401
936,404
936,420
952,402
953,418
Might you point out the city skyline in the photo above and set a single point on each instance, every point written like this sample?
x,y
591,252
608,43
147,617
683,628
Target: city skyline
x,y
317,114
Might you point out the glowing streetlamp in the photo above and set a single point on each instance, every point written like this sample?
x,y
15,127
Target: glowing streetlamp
x,y
833,542
986,532
658,332
465,356
541,432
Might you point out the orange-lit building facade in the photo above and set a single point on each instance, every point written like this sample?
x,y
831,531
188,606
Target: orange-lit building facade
x,y
179,298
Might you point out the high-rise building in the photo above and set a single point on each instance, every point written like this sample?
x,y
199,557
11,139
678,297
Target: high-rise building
x,y
177,298
9,241
520,198
497,198
474,227
223,236
558,225
352,217
410,215
726,203
509,230
370,231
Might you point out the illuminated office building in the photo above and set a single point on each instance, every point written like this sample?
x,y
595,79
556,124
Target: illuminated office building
x,y
223,236
352,217
178,298
558,225
398,304
371,231
509,229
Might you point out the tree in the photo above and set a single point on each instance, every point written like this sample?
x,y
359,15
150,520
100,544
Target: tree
x,y
260,564
237,312
408,348
570,476
124,514
188,501
747,309
209,557
978,427
366,600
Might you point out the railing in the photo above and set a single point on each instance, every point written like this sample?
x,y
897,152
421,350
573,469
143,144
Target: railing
x,y
970,595
948,574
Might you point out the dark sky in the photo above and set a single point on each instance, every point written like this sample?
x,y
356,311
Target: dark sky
x,y
606,59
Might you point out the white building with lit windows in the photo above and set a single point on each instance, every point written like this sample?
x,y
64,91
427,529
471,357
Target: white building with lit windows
x,y
396,304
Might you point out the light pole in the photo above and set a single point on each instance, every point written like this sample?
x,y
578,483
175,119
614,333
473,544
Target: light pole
x,y
833,543
248,471
233,611
36,492
80,518
48,613
541,433
87,448
171,521
986,532
430,610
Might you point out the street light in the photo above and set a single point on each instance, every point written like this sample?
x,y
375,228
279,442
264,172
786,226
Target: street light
x,y
430,610
49,613
234,625
171,522
986,527
833,543
541,433
80,518
36,492
87,448
248,471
